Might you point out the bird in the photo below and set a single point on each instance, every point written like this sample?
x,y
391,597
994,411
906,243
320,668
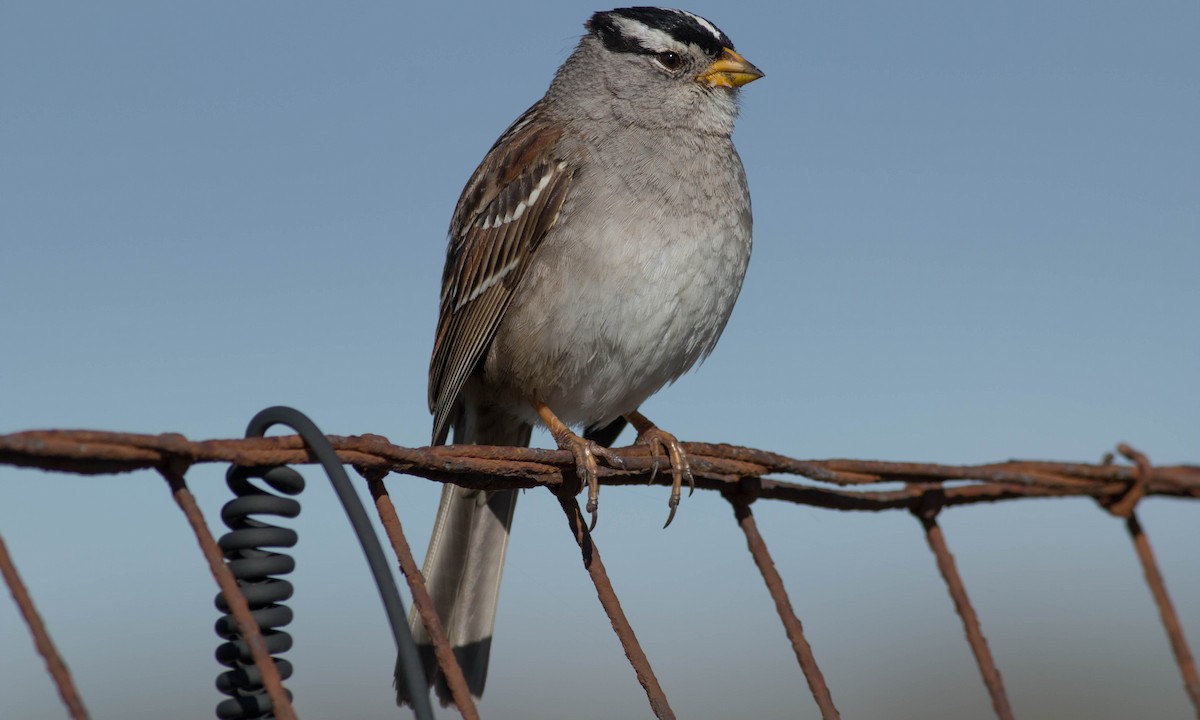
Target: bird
x,y
594,256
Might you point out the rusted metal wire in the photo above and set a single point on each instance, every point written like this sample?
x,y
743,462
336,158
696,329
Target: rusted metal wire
x,y
859,485
612,606
41,637
1170,620
962,605
455,680
238,607
740,501
715,467
1124,507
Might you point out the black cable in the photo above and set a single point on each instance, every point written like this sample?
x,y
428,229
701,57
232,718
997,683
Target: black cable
x,y
257,571
409,662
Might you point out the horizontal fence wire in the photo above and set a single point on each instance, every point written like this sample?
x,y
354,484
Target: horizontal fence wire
x,y
739,473
716,467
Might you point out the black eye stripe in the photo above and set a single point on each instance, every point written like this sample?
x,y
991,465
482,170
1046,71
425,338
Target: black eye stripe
x,y
682,27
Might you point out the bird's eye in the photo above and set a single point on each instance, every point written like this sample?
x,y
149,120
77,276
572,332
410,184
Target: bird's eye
x,y
670,60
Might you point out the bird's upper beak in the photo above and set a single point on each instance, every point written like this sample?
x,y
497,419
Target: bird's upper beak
x,y
729,70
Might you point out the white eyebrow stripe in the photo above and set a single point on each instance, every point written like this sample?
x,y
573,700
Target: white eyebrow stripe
x,y
704,24
649,38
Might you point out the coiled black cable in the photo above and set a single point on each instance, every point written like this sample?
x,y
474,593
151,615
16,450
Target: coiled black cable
x,y
257,570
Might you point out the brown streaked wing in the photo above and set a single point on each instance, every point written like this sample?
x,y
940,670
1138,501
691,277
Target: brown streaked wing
x,y
485,264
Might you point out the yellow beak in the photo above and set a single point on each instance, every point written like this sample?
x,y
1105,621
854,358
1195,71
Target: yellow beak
x,y
729,70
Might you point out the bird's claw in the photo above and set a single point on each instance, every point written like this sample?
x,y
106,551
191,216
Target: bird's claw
x,y
673,503
663,443
587,468
592,508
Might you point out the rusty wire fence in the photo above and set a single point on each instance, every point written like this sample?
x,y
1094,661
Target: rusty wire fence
x,y
739,474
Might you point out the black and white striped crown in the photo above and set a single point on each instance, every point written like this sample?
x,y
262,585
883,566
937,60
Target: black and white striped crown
x,y
651,29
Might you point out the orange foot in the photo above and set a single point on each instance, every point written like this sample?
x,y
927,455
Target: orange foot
x,y
585,452
663,443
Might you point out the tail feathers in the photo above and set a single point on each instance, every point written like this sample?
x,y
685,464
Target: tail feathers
x,y
465,562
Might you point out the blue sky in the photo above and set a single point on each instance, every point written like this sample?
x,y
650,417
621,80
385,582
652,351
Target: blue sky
x,y
977,237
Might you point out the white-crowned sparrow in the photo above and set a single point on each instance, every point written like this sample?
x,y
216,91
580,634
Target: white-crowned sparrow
x,y
594,256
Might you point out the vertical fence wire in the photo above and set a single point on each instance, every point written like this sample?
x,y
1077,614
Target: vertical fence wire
x,y
783,605
238,607
41,637
612,606
453,673
1125,507
1170,620
962,604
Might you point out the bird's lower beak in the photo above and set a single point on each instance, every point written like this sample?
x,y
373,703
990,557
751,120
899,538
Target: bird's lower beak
x,y
729,70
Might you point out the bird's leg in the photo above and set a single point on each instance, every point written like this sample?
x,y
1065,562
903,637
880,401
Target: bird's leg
x,y
585,451
662,442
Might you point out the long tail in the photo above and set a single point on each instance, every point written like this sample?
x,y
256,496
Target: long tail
x,y
466,560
